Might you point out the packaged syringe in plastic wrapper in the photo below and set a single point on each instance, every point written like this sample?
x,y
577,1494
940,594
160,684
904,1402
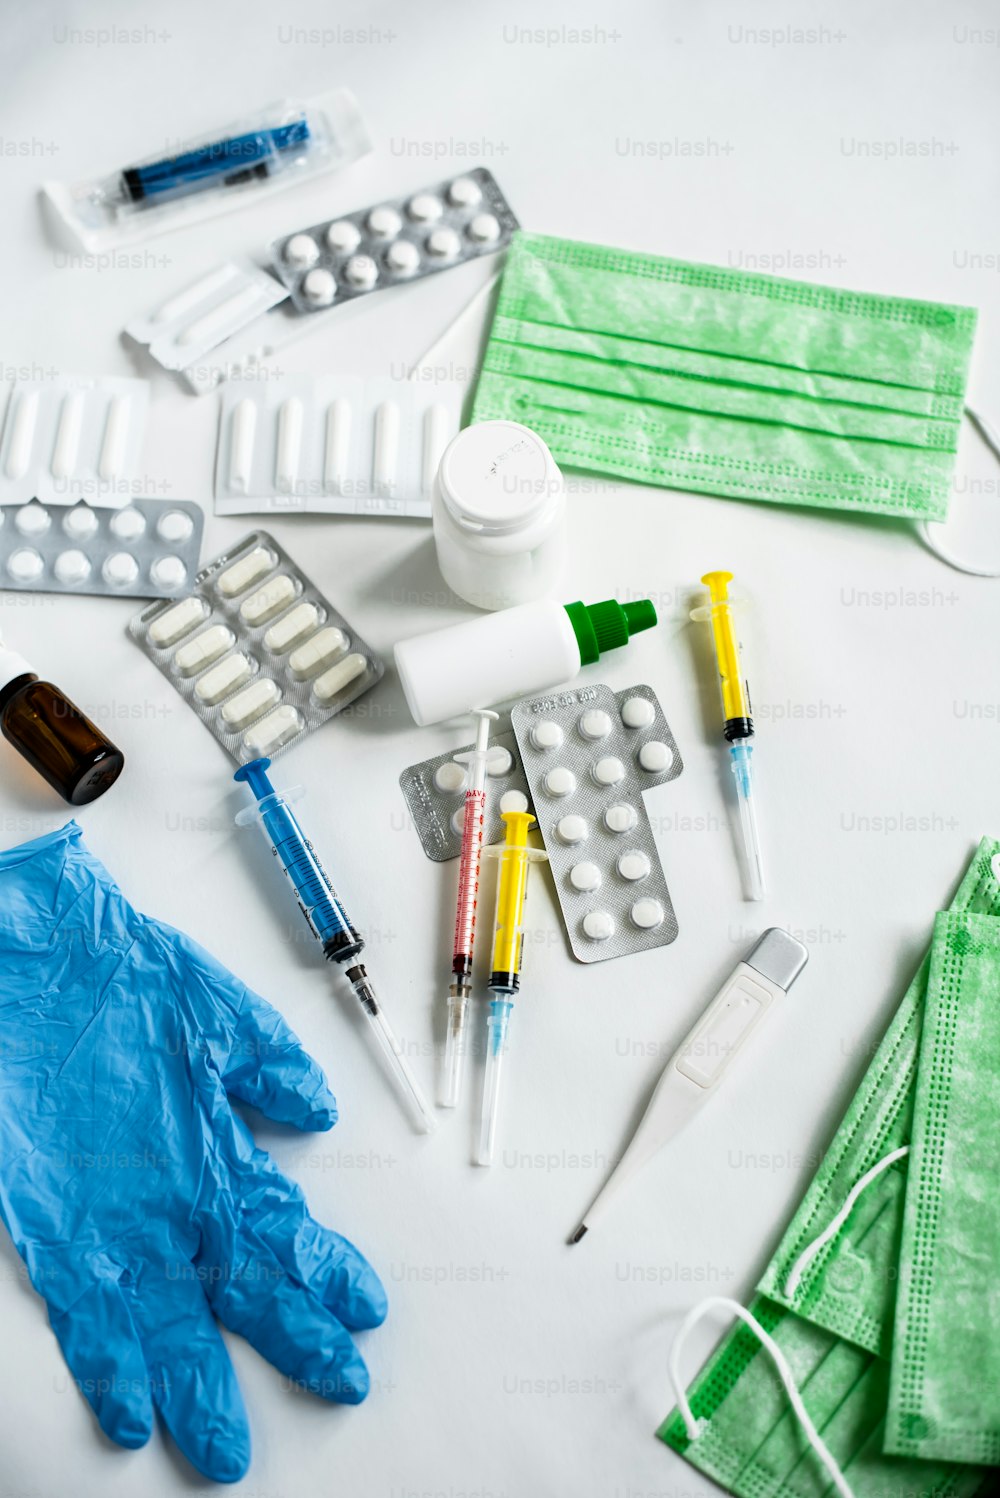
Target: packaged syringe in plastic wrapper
x,y
190,180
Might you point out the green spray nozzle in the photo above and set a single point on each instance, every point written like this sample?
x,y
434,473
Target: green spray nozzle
x,y
605,626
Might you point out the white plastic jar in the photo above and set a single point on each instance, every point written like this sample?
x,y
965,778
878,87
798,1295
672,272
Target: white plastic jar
x,y
499,512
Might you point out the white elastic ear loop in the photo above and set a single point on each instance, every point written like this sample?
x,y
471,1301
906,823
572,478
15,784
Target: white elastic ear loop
x,y
991,437
694,1430
809,1253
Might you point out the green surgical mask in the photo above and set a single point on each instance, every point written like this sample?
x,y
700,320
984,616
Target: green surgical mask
x,y
944,1399
728,382
830,1311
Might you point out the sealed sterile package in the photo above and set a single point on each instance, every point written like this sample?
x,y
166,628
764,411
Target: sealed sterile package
x,y
73,437
335,446
394,241
258,652
277,146
434,791
197,318
588,755
149,549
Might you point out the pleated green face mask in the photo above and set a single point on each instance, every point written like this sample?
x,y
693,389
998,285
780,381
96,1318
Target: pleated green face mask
x,y
728,382
828,1298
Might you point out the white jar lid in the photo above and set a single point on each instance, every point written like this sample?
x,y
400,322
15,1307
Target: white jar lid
x,y
498,476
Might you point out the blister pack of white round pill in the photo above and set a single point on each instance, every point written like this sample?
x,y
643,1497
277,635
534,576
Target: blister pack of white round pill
x,y
256,650
434,791
394,241
588,755
149,549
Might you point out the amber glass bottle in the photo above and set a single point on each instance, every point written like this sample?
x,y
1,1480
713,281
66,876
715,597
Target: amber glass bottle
x,y
54,736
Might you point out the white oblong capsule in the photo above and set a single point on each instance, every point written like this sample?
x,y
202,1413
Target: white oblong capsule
x,y
203,649
241,443
177,622
250,703
241,574
222,679
112,459
273,731
385,464
332,682
321,651
295,625
286,463
67,446
276,594
22,436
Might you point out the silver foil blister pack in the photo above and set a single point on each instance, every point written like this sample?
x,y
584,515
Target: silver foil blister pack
x,y
149,549
394,241
258,652
588,754
434,791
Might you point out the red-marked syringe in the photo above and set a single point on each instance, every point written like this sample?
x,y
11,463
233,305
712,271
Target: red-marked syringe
x,y
467,909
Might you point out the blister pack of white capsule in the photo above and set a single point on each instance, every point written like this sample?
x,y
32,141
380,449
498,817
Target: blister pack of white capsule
x,y
73,437
198,317
334,446
256,650
588,755
147,549
394,241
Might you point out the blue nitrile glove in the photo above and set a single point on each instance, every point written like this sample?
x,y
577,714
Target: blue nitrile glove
x,y
132,1191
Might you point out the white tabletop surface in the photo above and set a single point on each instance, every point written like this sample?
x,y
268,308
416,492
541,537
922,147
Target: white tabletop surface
x,y
862,155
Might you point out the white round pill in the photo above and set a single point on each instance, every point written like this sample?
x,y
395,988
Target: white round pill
x,y
656,756
450,778
301,251
646,914
80,522
361,272
513,801
559,781
633,865
464,192
620,817
25,564
499,761
458,820
71,566
546,735
571,829
128,524
343,236
384,222
32,519
609,771
425,208
319,287
174,526
168,573
595,724
120,569
585,877
403,257
638,712
599,925
443,244
485,228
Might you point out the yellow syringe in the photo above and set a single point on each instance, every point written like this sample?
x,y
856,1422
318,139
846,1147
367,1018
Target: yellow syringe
x,y
514,857
737,715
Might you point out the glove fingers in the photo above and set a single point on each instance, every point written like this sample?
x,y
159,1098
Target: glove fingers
x,y
335,1271
268,1068
194,1385
287,1324
102,1349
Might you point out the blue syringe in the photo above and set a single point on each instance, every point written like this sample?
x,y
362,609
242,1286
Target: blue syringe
x,y
321,906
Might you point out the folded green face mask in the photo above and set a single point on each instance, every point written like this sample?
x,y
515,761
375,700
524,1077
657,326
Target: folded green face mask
x,y
728,382
828,1296
944,1400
